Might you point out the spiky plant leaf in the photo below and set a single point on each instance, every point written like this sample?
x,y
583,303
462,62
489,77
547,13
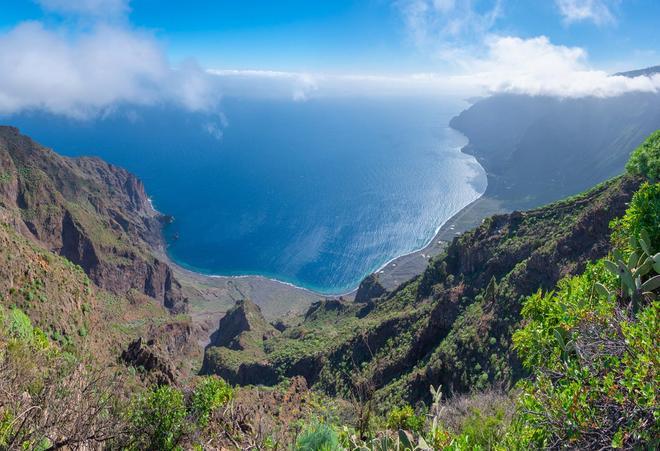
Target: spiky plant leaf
x,y
602,289
632,261
611,267
644,268
652,284
645,241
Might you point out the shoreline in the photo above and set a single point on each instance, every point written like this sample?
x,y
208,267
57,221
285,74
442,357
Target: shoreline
x,y
403,268
273,295
397,270
212,295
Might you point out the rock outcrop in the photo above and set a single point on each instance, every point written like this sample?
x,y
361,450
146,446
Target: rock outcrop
x,y
370,288
319,308
147,358
236,352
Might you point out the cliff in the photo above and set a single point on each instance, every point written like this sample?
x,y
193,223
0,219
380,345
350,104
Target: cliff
x,y
541,149
94,214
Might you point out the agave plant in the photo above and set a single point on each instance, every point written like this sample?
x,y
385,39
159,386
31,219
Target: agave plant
x,y
639,275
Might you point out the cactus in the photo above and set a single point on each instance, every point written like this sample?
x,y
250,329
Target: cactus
x,y
631,272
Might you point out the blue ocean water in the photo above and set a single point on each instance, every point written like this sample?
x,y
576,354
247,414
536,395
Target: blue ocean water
x,y
317,193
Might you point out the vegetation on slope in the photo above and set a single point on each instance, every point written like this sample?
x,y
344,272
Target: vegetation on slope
x,y
536,330
586,352
646,158
452,326
591,346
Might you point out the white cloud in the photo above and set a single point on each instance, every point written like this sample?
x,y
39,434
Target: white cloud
x,y
460,34
82,73
508,64
596,11
445,24
94,8
537,67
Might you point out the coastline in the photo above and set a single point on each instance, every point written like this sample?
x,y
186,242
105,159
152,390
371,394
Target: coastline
x,y
212,295
405,267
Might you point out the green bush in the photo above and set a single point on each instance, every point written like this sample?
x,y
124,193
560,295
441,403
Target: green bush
x,y
158,418
593,353
595,367
642,214
645,160
20,325
210,393
405,418
318,437
480,431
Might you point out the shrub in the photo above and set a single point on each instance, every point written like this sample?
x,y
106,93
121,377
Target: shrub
x,y
595,366
20,325
318,437
481,431
405,418
645,160
642,214
50,399
158,418
210,393
592,352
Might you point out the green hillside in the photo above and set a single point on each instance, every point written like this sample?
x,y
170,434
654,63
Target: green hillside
x,y
536,330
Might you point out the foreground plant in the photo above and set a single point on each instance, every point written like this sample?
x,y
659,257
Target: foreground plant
x,y
594,349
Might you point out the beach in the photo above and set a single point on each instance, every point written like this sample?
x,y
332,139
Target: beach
x,y
211,296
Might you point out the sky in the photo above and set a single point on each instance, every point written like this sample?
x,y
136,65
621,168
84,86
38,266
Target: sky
x,y
79,57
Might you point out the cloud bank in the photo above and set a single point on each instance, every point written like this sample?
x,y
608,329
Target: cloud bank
x,y
537,67
80,74
508,64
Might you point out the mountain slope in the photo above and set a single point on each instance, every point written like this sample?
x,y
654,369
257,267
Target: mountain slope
x,y
452,326
541,149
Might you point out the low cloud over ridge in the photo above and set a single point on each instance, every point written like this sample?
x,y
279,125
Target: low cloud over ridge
x,y
507,64
537,67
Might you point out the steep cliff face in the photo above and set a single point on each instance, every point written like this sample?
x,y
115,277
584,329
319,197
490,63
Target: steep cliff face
x,y
451,326
94,214
540,149
62,301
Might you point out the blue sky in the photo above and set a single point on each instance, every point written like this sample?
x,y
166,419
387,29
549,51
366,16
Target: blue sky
x,y
81,57
365,36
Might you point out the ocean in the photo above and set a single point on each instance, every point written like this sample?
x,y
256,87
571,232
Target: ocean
x,y
317,193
